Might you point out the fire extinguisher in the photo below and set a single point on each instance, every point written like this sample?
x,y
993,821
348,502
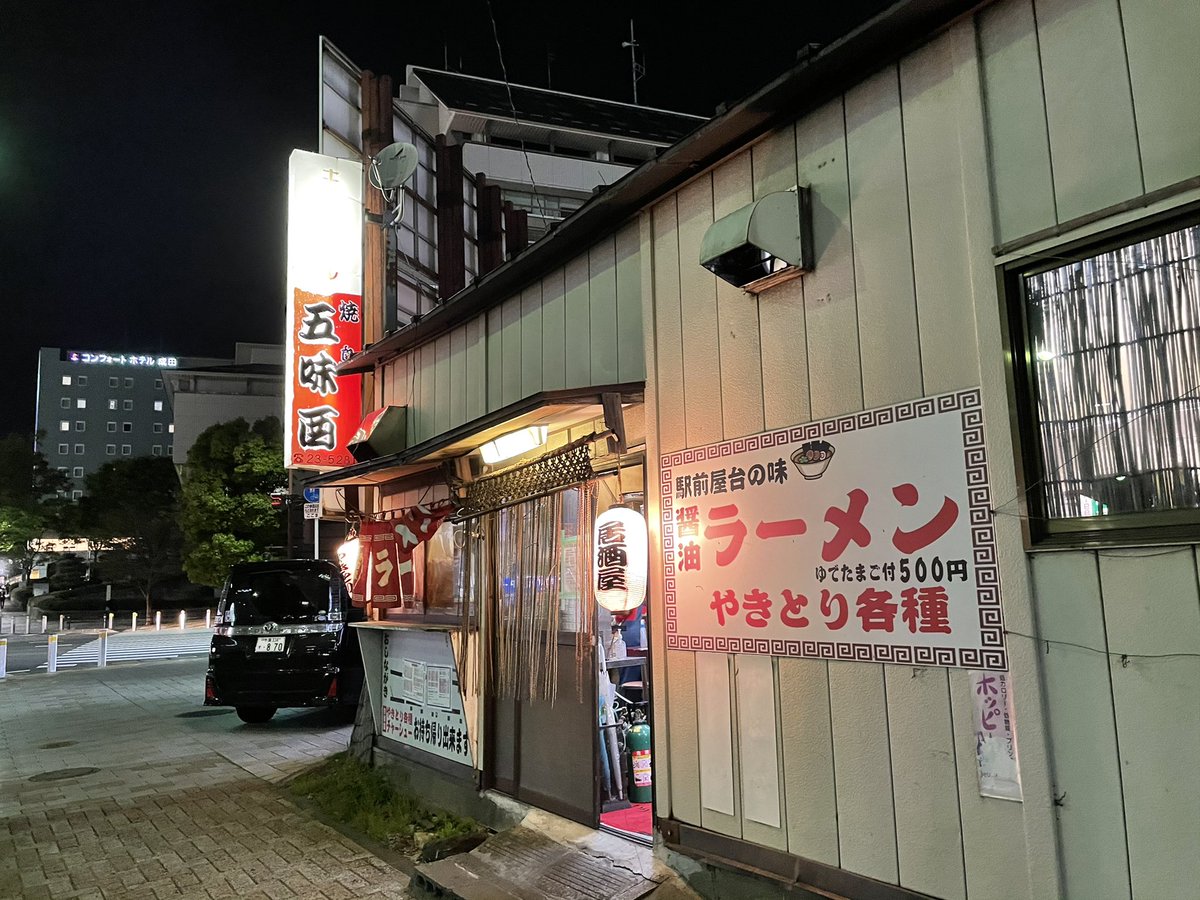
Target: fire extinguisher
x,y
641,790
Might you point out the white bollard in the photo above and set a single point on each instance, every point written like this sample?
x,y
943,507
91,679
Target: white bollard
x,y
3,658
182,620
61,619
133,623
102,656
208,618
158,620
27,623
43,624
52,655
111,616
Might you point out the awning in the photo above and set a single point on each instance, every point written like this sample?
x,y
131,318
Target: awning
x,y
421,464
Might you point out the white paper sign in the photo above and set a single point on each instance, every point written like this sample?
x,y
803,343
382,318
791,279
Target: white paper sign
x,y
995,736
422,704
865,537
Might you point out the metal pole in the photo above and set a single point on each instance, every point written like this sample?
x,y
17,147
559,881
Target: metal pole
x,y
317,537
111,616
102,656
27,623
182,620
208,618
52,654
61,618
158,620
133,623
43,624
3,658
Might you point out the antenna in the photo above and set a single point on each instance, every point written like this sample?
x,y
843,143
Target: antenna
x,y
390,169
639,70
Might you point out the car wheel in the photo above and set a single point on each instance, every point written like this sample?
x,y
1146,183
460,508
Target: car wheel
x,y
255,715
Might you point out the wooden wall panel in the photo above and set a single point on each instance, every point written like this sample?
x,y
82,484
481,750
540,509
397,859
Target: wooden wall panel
x,y
495,360
718,797
1161,37
427,392
759,782
554,335
808,782
602,287
510,351
531,339
883,280
441,384
1089,108
1151,606
476,388
1022,184
831,313
578,324
631,358
458,376
1083,734
698,308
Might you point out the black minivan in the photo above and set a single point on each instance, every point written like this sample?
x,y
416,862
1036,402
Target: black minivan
x,y
282,640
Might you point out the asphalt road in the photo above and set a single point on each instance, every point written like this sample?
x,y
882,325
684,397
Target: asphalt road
x,y
27,652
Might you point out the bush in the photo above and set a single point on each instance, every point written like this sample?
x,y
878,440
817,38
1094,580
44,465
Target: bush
x,y
19,598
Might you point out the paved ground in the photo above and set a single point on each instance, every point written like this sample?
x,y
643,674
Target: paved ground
x,y
27,653
178,806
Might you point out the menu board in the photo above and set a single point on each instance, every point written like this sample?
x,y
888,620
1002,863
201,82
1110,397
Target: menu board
x,y
422,701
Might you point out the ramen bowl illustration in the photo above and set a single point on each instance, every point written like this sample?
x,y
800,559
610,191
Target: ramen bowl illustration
x,y
812,458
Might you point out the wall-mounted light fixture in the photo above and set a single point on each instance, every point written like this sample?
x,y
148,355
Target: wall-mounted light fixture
x,y
620,548
762,244
514,444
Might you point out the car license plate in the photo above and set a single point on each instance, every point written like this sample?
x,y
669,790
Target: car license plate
x,y
269,645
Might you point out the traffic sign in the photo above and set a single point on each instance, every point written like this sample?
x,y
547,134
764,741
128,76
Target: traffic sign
x,y
312,495
312,510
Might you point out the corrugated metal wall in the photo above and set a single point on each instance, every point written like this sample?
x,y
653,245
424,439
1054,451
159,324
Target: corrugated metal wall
x,y
999,128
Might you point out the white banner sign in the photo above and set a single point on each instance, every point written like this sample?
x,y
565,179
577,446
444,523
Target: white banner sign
x,y
422,704
865,537
995,736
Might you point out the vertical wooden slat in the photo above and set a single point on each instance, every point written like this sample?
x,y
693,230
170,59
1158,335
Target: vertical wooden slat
x,y
1022,185
458,376
1152,606
760,786
441,384
554,336
510,350
714,715
808,760
883,281
1083,734
631,358
1089,108
602,288
1161,37
426,359
698,307
476,388
495,360
578,324
531,339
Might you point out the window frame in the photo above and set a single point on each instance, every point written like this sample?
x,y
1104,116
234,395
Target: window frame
x,y
1172,526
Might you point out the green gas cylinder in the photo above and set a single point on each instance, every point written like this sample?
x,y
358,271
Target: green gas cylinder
x,y
640,791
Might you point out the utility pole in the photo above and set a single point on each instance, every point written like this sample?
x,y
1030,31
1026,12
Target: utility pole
x,y
638,70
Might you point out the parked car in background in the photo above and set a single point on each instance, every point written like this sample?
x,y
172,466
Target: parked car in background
x,y
282,640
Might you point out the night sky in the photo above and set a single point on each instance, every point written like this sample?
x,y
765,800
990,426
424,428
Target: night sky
x,y
144,146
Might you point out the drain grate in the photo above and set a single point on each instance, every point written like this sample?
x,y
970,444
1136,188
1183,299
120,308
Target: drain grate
x,y
57,745
63,774
201,713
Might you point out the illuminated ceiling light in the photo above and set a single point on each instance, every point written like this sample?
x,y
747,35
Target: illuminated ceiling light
x,y
1045,355
514,444
1121,477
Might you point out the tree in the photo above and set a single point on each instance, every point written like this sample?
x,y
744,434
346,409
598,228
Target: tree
x,y
29,497
131,509
226,511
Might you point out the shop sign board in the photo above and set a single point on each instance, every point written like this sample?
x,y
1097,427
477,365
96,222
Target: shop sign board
x,y
422,701
863,537
995,736
324,310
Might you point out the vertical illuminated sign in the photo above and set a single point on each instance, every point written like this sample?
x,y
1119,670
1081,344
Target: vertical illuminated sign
x,y
324,309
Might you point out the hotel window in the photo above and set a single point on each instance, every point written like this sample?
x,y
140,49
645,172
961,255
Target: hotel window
x,y
64,469
158,427
64,449
80,425
170,449
114,381
80,449
127,404
158,384
64,425
156,450
81,381
1106,341
126,450
80,403
112,404
127,427
158,406
128,382
75,495
77,472
65,403
171,428
112,426
110,449
66,380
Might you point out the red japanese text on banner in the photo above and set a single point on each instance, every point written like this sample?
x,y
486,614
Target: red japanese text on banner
x,y
866,537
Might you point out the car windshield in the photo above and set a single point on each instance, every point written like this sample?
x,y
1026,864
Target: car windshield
x,y
277,595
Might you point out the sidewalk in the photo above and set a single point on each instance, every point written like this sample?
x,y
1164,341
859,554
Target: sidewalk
x,y
135,800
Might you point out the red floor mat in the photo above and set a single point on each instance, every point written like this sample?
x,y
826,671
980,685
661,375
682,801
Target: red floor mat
x,y
637,819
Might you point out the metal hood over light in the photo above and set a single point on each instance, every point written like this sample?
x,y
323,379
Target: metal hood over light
x,y
762,244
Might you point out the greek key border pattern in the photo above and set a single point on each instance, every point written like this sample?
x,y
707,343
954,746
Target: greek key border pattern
x,y
992,653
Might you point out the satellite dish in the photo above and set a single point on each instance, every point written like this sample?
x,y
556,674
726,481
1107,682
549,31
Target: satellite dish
x,y
395,164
